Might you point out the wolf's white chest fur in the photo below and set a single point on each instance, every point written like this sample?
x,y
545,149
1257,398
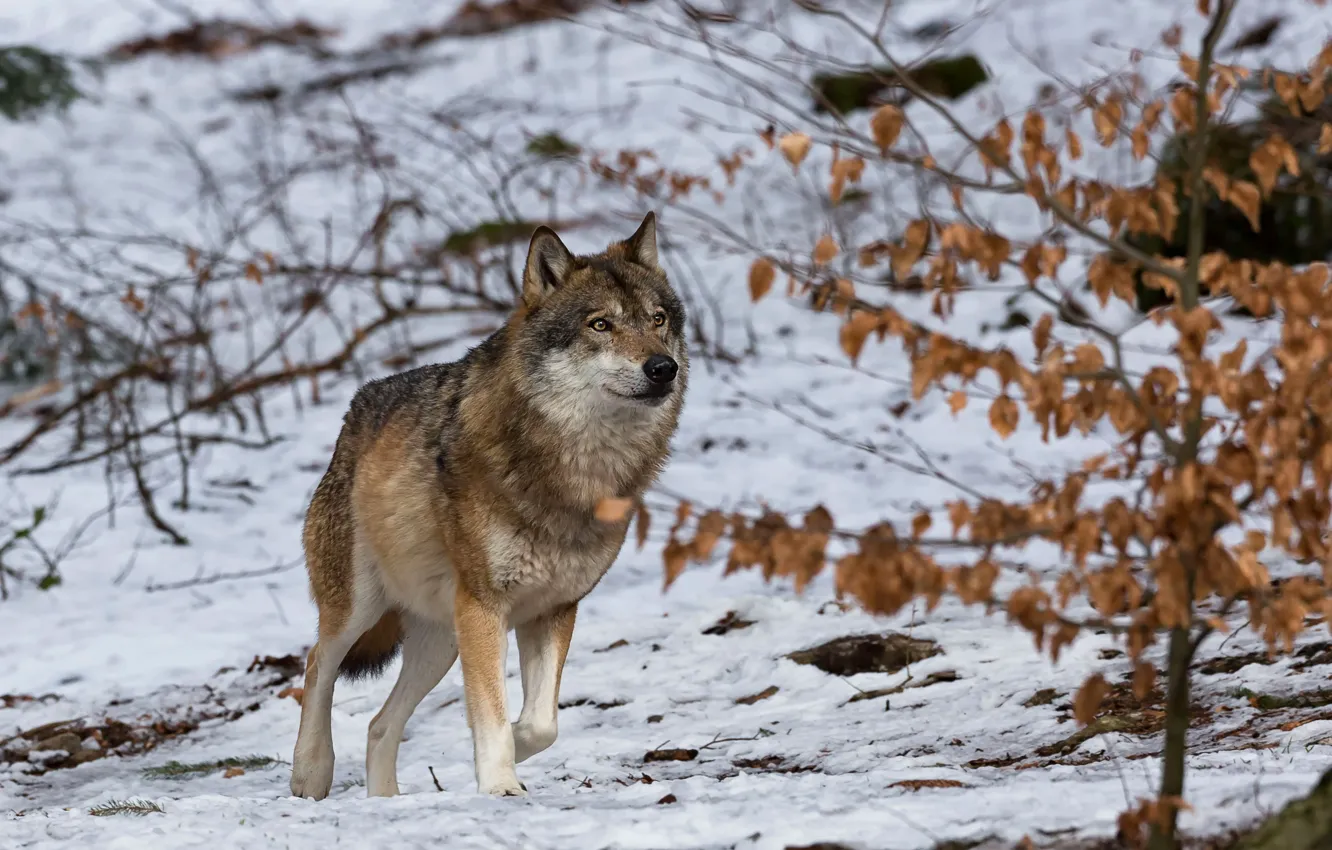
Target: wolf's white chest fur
x,y
541,574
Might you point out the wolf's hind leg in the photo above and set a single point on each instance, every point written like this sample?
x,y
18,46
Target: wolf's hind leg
x,y
312,761
542,647
428,651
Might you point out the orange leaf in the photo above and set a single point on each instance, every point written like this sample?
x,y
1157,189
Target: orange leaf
x,y
1074,146
641,522
920,524
825,250
1088,699
856,331
795,147
133,301
1245,196
1004,416
295,693
1141,142
886,124
675,557
232,772
1040,335
761,276
1325,139
957,401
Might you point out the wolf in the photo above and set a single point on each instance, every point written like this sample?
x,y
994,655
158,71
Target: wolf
x,y
461,502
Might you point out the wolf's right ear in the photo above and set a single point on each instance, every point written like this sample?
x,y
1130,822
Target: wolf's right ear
x,y
548,266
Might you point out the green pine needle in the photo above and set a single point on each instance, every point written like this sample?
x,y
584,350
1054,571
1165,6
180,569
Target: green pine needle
x,y
139,808
179,770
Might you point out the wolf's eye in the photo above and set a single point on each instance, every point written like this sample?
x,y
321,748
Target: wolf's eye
x,y
599,324
658,318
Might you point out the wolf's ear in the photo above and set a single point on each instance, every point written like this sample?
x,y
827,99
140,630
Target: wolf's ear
x,y
548,265
642,246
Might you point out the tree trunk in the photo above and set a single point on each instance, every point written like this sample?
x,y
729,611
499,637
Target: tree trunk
x,y
1176,738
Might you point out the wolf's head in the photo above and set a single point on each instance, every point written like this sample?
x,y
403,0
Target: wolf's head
x,y
601,334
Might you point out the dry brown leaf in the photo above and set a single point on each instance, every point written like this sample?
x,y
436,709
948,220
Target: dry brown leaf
x,y
642,520
795,147
1144,677
957,401
1040,334
1074,146
1325,139
233,772
886,124
132,300
613,510
675,557
295,693
1141,142
1088,699
920,524
1246,197
1106,118
769,691
1004,416
761,276
856,330
844,170
825,250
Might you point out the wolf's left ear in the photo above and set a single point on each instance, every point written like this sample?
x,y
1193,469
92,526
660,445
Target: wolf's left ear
x,y
548,265
642,246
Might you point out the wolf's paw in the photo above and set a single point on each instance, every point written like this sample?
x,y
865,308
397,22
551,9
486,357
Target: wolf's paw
x,y
312,777
503,787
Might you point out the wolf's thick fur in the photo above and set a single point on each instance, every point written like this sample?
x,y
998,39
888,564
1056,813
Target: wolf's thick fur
x,y
460,502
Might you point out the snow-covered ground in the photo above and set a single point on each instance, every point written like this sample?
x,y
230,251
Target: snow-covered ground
x,y
799,766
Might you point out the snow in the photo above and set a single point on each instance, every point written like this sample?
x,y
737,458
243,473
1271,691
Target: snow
x,y
108,641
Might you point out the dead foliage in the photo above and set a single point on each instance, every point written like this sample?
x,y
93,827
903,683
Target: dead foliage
x,y
871,653
1044,696
772,764
278,670
1220,456
767,692
730,622
676,754
220,38
12,700
124,731
476,18
918,784
70,743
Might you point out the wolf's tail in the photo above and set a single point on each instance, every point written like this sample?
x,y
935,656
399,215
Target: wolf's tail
x,y
374,650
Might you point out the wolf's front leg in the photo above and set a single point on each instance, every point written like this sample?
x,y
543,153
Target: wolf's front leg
x,y
482,641
542,647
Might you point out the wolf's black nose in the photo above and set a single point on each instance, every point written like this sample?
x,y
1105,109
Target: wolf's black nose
x,y
660,369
